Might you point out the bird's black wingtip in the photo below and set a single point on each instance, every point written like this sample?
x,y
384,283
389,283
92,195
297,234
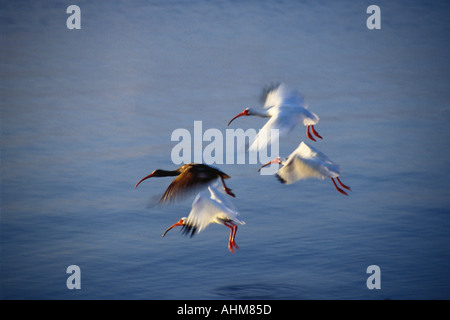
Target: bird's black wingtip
x,y
186,229
280,178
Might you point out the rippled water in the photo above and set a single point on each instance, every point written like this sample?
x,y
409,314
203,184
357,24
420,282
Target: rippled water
x,y
86,113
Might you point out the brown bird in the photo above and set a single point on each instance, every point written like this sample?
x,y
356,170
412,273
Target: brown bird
x,y
189,178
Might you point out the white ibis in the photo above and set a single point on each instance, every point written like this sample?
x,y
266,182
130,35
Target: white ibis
x,y
207,209
307,162
286,109
190,177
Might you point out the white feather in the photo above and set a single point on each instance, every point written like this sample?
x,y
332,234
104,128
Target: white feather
x,y
287,109
284,96
307,162
283,119
211,208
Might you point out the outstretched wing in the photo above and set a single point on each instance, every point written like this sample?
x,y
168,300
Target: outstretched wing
x,y
229,211
190,181
280,95
207,209
307,162
282,121
200,216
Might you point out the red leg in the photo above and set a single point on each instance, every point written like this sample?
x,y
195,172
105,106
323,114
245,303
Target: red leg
x,y
309,134
227,190
315,133
234,235
342,185
339,189
231,244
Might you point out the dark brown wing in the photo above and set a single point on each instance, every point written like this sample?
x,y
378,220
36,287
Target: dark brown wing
x,y
204,170
192,179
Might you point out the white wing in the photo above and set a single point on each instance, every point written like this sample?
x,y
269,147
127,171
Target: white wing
x,y
206,210
307,162
281,126
203,213
220,198
228,209
284,119
283,96
305,151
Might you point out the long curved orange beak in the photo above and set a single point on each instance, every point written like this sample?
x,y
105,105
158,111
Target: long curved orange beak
x,y
243,113
276,160
144,178
179,223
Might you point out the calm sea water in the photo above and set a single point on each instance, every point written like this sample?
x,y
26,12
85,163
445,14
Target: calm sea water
x,y
86,113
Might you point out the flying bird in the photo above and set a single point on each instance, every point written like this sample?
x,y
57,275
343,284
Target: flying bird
x,y
307,162
286,108
189,178
207,209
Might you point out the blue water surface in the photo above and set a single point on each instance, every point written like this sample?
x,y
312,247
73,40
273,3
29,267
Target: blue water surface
x,y
86,113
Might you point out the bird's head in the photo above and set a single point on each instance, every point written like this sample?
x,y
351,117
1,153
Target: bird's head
x,y
181,222
155,173
276,160
158,173
246,112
